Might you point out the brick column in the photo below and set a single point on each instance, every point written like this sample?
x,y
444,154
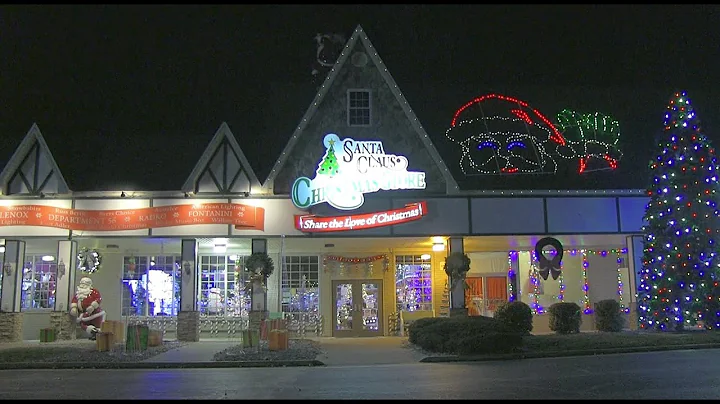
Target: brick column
x,y
11,319
188,319
259,310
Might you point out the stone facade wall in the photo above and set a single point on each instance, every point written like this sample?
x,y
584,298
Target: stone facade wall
x,y
188,326
64,325
11,327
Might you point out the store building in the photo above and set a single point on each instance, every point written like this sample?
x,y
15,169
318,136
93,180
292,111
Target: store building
x,y
358,213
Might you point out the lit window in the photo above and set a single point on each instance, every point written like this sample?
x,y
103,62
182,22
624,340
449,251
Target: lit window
x,y
222,292
151,286
413,283
300,292
39,282
358,107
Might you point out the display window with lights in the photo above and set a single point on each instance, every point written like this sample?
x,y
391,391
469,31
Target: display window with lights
x,y
299,288
223,279
413,282
39,282
151,285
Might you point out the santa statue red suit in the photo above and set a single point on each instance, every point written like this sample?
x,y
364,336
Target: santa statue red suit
x,y
85,306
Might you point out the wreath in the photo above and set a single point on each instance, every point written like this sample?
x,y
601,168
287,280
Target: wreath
x,y
260,264
89,261
456,266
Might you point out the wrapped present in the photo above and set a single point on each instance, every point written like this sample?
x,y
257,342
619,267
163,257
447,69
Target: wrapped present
x,y
278,324
155,338
137,337
48,335
117,328
250,338
104,341
278,340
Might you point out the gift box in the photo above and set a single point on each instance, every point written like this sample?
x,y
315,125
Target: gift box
x,y
117,328
104,341
278,340
47,335
155,338
250,338
137,338
271,324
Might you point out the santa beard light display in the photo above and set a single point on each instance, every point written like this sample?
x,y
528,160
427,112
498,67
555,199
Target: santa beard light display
x,y
503,135
85,307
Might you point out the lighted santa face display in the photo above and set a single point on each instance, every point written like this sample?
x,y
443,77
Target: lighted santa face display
x,y
85,307
503,135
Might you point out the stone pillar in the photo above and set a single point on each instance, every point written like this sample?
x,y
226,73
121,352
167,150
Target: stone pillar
x,y
457,294
188,319
635,247
258,311
60,319
11,319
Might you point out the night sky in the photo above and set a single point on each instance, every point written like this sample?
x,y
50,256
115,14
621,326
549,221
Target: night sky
x,y
127,97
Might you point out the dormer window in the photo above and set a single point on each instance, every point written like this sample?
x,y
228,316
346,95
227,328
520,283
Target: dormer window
x,y
358,107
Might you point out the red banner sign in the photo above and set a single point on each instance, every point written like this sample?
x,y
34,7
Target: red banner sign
x,y
241,216
317,224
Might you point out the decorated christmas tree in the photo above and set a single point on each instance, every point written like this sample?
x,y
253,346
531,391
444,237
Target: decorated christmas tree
x,y
679,261
329,164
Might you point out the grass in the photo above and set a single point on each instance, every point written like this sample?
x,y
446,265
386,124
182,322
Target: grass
x,y
623,339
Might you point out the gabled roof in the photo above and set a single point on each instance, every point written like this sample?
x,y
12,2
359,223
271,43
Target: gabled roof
x,y
359,34
223,153
32,170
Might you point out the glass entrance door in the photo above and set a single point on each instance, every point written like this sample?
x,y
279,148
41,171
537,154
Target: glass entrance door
x,y
357,311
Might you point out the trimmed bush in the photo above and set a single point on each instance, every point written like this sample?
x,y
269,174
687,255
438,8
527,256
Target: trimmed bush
x,y
476,334
565,318
515,317
608,316
417,325
490,343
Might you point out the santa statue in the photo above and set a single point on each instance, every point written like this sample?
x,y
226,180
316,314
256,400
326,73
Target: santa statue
x,y
85,306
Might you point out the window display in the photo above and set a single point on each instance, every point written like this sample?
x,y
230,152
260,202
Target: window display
x,y
413,283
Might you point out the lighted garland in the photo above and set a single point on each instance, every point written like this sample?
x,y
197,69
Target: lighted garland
x,y
535,280
512,276
586,288
619,261
357,260
486,150
89,261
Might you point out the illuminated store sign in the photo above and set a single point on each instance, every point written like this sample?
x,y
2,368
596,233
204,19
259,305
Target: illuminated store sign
x,y
351,168
324,224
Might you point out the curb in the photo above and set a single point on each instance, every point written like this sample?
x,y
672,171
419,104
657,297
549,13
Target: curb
x,y
157,365
559,354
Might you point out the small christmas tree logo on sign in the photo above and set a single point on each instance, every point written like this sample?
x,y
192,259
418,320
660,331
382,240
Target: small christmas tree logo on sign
x,y
329,164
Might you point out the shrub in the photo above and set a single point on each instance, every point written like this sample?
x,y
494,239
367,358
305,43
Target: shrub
x,y
608,316
515,317
417,325
565,318
493,342
449,335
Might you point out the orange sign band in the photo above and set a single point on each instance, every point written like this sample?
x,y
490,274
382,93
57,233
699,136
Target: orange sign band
x,y
241,216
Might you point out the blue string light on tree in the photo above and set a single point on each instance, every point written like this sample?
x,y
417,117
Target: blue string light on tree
x,y
88,261
678,279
